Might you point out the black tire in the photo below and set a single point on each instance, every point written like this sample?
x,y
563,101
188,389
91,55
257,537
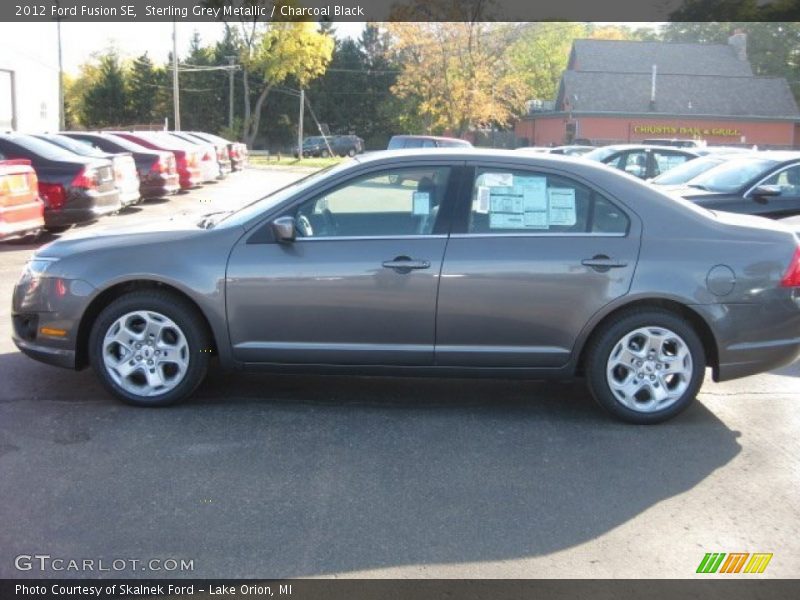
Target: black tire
x,y
351,152
605,340
183,315
324,154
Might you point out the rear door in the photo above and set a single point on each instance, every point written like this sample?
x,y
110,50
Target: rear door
x,y
534,253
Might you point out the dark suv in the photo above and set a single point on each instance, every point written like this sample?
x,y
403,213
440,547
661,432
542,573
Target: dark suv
x,y
340,145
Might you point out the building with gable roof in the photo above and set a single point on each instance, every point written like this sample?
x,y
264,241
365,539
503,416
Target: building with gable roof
x,y
626,91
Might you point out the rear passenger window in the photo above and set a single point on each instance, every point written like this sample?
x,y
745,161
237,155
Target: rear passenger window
x,y
513,202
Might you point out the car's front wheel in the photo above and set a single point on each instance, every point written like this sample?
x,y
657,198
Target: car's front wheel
x,y
150,348
646,367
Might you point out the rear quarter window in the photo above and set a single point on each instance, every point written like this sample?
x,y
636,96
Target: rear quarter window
x,y
514,202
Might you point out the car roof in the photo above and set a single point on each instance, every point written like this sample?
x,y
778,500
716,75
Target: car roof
x,y
426,137
619,147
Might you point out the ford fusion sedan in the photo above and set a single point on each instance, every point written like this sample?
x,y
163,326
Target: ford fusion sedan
x,y
765,184
449,263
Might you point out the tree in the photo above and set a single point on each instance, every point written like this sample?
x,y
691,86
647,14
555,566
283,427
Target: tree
x,y
773,48
105,102
457,73
541,54
146,93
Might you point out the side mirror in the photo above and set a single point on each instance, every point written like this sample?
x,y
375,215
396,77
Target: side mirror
x,y
765,191
284,230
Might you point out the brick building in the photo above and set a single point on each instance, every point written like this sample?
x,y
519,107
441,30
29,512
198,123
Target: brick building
x,y
623,91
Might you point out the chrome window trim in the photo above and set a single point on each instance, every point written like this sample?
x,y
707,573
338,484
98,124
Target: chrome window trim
x,y
771,175
351,238
542,234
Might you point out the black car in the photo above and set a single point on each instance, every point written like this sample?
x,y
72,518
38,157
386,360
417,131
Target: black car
x,y
765,184
75,189
158,174
411,142
642,160
125,174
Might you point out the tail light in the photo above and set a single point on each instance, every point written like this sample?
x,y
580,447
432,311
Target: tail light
x,y
792,276
86,178
53,194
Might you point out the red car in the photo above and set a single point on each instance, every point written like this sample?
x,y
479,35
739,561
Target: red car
x,y
21,210
187,159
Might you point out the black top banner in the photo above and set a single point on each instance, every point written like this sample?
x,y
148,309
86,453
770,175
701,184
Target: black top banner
x,y
399,10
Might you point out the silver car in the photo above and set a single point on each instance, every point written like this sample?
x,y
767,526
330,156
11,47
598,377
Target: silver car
x,y
452,262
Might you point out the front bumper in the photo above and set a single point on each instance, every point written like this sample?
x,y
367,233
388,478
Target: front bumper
x,y
58,357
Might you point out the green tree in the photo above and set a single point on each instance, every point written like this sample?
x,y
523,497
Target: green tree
x,y
146,91
773,48
105,101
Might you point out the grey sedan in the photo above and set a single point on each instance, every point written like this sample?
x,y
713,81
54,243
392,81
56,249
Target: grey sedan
x,y
448,263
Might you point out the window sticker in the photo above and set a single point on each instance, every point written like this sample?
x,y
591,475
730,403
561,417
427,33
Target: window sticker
x,y
497,179
506,204
482,200
506,221
562,207
421,203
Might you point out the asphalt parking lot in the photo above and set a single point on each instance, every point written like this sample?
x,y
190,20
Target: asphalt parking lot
x,y
301,476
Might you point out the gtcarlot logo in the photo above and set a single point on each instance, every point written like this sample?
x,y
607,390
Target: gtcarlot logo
x,y
45,563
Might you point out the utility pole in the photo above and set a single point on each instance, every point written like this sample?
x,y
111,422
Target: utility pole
x,y
300,125
61,119
176,101
230,97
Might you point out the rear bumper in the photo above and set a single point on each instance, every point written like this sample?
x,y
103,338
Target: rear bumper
x,y
83,207
755,338
20,219
160,185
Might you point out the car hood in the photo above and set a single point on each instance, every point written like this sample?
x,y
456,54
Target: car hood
x,y
685,191
110,236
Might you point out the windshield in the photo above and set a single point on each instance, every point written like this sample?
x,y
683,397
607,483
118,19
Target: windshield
x,y
249,211
600,154
688,170
731,175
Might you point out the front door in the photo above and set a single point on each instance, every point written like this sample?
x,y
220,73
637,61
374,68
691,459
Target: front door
x,y
538,255
359,284
785,203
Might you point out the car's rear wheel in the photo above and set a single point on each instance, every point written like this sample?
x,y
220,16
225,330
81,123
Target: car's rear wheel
x,y
645,367
351,152
150,348
325,154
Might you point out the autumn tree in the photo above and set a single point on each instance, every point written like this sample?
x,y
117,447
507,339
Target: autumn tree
x,y
458,74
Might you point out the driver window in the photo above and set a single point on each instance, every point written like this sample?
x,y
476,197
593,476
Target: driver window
x,y
386,203
788,180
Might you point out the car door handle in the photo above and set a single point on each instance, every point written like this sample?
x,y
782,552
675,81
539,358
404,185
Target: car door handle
x,y
406,264
601,263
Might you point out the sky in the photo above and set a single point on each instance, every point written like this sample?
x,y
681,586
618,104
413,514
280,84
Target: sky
x,y
38,41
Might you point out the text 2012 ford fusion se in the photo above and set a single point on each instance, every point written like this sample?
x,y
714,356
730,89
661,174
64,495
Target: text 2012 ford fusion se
x,y
451,262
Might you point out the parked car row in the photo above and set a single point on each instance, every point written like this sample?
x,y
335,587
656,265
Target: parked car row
x,y
55,180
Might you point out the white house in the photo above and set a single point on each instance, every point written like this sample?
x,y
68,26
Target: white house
x,y
28,77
